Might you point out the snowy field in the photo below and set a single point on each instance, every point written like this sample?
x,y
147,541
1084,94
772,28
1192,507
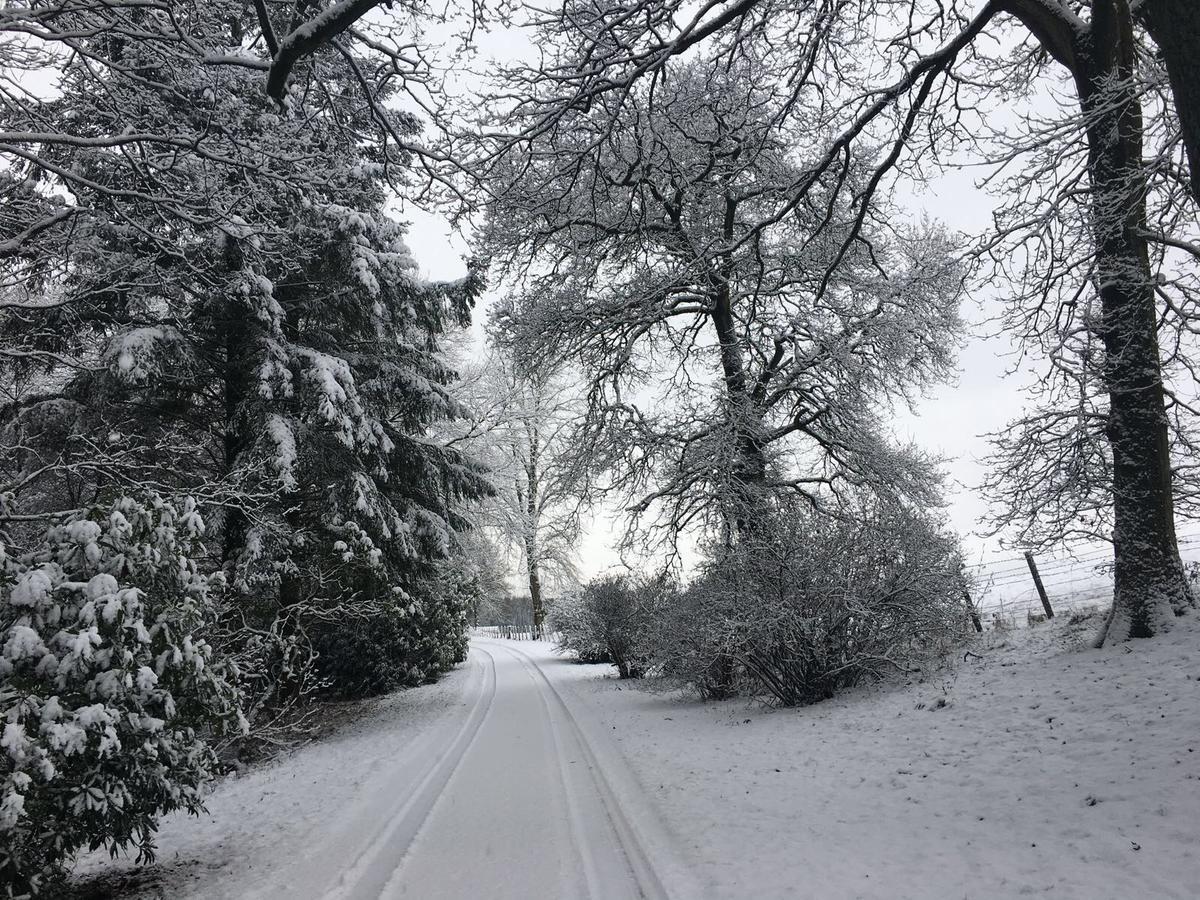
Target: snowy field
x,y
1029,768
1030,771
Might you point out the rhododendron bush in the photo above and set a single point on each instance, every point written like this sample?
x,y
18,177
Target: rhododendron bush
x,y
108,697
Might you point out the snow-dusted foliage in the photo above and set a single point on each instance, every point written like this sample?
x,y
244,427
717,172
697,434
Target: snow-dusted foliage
x,y
803,605
527,426
577,629
1091,245
106,686
609,621
407,638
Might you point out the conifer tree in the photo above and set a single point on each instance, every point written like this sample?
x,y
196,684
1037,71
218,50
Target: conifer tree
x,y
235,316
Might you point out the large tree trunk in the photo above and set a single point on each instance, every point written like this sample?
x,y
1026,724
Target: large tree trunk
x,y
750,468
1175,27
1150,587
532,502
749,471
535,586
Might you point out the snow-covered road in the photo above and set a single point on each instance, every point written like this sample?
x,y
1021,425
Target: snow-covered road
x,y
513,804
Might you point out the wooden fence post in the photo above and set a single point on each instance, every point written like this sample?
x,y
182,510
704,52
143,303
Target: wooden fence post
x,y
973,612
1037,580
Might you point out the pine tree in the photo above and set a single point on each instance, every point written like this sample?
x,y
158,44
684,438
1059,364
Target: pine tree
x,y
236,316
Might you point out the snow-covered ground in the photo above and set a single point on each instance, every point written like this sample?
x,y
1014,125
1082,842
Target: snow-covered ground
x,y
1031,768
1036,769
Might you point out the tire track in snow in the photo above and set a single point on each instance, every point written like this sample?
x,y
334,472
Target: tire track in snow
x,y
649,885
579,826
369,874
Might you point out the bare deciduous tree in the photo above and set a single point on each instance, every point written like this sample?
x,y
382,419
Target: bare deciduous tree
x,y
527,431
659,245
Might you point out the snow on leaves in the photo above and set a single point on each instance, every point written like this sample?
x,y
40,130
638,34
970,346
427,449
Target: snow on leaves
x,y
104,684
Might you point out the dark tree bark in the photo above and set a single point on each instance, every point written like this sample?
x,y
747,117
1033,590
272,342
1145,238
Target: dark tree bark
x,y
1149,581
750,473
308,37
1149,587
532,498
535,586
1175,27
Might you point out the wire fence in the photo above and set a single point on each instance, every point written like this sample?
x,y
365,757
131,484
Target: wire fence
x,y
1004,589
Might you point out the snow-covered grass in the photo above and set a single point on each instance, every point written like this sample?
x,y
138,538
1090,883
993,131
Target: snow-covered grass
x,y
1032,767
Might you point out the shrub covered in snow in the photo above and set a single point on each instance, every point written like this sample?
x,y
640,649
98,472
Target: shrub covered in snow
x,y
803,605
401,639
105,689
608,621
572,620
